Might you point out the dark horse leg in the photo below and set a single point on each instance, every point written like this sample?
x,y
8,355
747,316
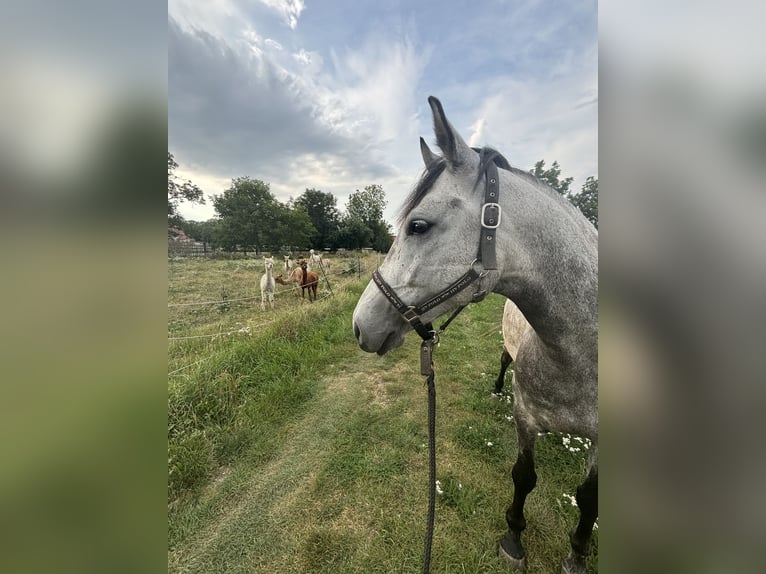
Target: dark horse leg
x,y
587,500
505,361
524,480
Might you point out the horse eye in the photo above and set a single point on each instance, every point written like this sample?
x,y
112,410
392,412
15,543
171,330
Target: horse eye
x,y
418,226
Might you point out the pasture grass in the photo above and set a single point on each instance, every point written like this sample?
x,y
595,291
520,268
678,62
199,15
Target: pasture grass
x,y
292,451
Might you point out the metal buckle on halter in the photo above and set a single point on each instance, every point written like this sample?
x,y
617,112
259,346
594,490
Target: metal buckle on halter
x,y
412,317
499,214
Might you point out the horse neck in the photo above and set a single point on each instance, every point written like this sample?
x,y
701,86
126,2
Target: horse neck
x,y
548,257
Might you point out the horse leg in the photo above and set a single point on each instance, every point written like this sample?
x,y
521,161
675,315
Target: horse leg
x,y
505,361
524,480
587,501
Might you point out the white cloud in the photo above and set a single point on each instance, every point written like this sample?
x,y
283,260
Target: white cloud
x,y
289,9
543,118
314,110
220,18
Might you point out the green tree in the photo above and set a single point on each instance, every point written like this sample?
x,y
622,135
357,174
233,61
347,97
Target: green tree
x,y
367,206
246,209
288,226
179,190
322,210
551,176
381,236
587,200
251,218
205,231
354,234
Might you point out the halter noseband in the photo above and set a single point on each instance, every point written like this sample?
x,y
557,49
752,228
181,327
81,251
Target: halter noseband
x,y
490,220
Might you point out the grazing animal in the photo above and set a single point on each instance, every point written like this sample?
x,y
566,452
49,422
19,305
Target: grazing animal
x,y
267,284
514,327
288,264
296,279
542,254
308,280
315,260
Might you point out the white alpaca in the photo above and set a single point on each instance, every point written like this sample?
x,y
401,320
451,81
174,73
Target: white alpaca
x,y
267,284
288,264
315,259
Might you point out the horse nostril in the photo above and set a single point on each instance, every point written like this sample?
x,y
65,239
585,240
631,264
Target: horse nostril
x,y
357,333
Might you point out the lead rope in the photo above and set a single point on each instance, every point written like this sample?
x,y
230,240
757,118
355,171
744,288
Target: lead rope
x,y
427,368
431,464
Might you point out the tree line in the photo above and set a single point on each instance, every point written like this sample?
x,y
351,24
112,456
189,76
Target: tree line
x,y
250,217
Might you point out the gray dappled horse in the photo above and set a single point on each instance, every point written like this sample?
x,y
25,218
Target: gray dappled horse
x,y
543,256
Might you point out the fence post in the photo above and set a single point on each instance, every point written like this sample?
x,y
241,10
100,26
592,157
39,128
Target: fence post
x,y
321,266
358,268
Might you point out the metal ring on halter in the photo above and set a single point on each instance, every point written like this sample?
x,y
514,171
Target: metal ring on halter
x,y
482,273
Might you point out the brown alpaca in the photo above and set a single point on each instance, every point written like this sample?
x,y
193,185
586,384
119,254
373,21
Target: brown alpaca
x,y
296,279
308,280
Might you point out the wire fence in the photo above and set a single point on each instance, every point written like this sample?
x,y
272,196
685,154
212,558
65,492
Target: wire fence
x,y
342,273
351,269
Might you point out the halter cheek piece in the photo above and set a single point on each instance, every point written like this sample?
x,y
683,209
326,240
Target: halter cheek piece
x,y
490,220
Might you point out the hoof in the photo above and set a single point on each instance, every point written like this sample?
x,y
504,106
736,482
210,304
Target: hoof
x,y
573,565
512,552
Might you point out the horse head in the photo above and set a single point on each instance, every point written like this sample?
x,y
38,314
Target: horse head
x,y
436,243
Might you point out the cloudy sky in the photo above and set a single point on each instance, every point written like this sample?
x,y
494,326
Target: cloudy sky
x,y
331,94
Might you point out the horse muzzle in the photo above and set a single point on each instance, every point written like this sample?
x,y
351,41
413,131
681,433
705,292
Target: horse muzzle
x,y
377,327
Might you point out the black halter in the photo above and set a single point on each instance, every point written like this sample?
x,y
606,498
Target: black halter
x,y
490,220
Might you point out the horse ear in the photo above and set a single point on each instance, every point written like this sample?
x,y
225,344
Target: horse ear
x,y
455,150
429,157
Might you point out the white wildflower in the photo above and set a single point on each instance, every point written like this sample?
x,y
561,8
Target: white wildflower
x,y
439,488
484,374
489,443
572,500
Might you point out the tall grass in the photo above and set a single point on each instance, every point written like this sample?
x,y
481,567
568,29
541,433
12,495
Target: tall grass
x,y
292,451
238,389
